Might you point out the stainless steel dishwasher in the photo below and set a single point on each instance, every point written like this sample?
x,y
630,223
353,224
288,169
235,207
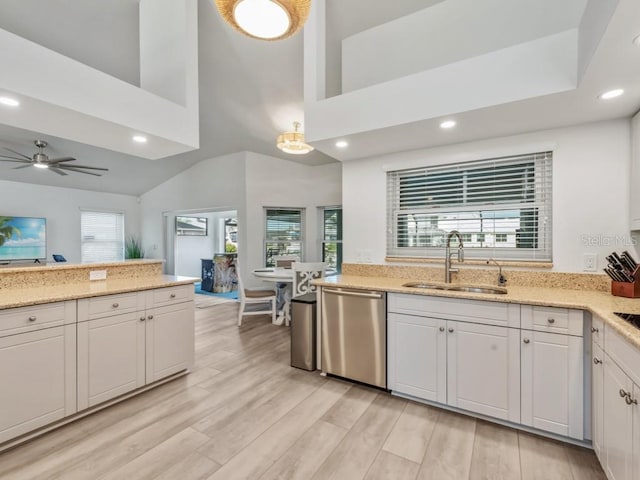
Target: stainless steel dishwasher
x,y
354,335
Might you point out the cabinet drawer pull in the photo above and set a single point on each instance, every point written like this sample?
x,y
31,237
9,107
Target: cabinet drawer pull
x,y
150,317
629,400
594,330
32,318
142,319
173,295
115,305
596,360
526,340
551,320
442,329
623,393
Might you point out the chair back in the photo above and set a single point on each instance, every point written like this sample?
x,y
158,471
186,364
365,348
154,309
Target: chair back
x,y
304,273
240,282
285,261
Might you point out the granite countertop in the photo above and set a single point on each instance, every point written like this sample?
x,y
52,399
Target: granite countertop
x,y
602,304
21,297
35,267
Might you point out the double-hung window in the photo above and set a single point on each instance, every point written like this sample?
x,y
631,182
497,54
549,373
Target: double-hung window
x,y
500,206
331,239
283,233
102,236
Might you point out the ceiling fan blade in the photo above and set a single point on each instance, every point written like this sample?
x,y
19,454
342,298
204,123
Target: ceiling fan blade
x,y
60,160
12,159
23,166
17,153
84,166
57,170
71,169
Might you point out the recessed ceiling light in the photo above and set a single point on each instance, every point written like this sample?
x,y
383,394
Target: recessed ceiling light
x,y
342,144
636,41
448,124
611,94
9,102
140,139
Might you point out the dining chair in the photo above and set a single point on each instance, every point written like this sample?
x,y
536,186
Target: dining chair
x,y
255,301
285,261
304,272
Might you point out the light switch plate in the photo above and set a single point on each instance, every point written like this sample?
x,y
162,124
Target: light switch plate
x,y
590,262
97,274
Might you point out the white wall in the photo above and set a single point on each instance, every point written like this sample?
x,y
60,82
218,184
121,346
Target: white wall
x,y
61,207
591,167
272,182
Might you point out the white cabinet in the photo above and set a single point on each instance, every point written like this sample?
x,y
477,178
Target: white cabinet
x,y
552,383
634,204
129,340
37,367
483,369
434,354
417,356
597,400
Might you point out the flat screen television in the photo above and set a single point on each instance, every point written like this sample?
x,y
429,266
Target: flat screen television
x,y
23,238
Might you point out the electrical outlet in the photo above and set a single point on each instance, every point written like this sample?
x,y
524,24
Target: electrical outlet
x,y
97,274
590,262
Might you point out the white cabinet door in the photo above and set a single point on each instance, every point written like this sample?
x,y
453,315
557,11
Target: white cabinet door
x,y
483,369
635,407
597,399
169,340
417,356
111,357
618,423
552,383
36,371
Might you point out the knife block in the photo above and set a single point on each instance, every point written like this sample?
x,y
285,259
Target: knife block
x,y
627,289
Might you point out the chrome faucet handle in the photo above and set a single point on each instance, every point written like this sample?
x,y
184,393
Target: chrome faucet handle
x,y
460,253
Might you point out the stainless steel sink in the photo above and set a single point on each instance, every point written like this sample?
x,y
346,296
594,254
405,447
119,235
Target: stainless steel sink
x,y
456,288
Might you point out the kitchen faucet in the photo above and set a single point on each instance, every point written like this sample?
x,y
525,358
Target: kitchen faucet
x,y
502,280
447,256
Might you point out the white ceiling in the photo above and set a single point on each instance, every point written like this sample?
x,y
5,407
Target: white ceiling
x,y
252,90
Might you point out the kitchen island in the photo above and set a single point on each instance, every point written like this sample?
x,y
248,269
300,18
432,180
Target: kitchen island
x,y
70,345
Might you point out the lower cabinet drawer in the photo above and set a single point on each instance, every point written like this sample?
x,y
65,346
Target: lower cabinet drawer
x,y
27,319
169,295
552,320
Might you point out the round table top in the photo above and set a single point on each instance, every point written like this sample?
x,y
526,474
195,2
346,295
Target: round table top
x,y
274,274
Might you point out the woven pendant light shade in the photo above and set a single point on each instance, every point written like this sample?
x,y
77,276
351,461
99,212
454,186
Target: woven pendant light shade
x,y
297,11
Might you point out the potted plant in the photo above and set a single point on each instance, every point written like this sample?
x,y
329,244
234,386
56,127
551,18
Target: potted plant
x,y
133,248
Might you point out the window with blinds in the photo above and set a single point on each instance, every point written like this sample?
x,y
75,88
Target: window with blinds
x,y
500,206
283,233
102,236
332,237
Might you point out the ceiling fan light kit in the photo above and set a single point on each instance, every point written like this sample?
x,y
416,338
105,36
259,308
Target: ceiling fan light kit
x,y
265,19
41,160
293,142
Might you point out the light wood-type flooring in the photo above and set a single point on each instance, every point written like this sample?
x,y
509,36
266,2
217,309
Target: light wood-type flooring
x,y
244,413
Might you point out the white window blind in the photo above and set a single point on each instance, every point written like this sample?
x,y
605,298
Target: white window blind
x,y
501,206
283,233
102,236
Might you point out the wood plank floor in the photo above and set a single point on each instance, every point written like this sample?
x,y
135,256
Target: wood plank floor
x,y
243,413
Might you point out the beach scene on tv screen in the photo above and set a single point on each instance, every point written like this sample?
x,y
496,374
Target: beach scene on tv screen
x,y
22,238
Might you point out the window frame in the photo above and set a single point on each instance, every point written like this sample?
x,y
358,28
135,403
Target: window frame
x,y
323,241
120,244
459,201
266,240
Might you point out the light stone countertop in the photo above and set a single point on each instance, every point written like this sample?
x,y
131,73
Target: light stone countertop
x,y
47,266
21,297
602,304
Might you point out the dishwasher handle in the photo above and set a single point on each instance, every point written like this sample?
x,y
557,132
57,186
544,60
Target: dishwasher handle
x,y
348,293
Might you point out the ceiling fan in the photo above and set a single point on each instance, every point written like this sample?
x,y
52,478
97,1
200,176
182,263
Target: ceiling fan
x,y
42,160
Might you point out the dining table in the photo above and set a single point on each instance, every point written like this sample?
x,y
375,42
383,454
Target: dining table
x,y
285,277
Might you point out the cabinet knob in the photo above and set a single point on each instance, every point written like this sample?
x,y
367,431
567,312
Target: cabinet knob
x,y
551,320
115,305
594,330
629,400
32,318
442,329
451,330
596,360
150,317
526,340
622,393
142,319
173,295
